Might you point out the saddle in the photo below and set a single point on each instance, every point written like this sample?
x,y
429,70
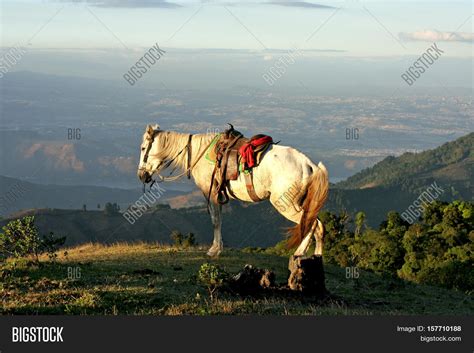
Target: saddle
x,y
233,154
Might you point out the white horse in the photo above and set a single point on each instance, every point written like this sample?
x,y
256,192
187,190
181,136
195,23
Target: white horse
x,y
296,186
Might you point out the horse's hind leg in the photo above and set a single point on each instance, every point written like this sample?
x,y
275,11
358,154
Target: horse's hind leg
x,y
306,243
217,245
319,237
304,246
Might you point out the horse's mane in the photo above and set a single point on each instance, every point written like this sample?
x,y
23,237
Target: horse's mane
x,y
172,144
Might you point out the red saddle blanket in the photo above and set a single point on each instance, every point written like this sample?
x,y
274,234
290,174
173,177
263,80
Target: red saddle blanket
x,y
248,150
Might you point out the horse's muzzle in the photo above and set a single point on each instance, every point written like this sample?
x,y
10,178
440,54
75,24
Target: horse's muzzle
x,y
144,176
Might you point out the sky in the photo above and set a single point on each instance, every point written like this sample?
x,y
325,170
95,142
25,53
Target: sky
x,y
351,28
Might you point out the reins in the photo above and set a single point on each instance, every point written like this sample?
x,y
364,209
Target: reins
x,y
189,166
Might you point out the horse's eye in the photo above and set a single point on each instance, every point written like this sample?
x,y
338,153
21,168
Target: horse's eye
x,y
143,148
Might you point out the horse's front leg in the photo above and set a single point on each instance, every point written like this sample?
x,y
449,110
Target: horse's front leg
x,y
216,216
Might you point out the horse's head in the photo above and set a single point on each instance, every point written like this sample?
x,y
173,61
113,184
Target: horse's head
x,y
150,157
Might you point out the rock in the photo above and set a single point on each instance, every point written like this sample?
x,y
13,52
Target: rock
x,y
307,275
268,279
252,279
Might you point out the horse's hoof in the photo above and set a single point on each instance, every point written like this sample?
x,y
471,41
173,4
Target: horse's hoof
x,y
213,253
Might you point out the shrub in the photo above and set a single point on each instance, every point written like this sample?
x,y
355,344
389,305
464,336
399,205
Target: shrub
x,y
50,245
111,208
20,238
213,277
438,250
177,238
189,241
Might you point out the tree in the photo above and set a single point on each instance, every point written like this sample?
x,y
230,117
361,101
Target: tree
x,y
433,213
177,238
437,250
111,208
359,222
338,238
190,240
20,238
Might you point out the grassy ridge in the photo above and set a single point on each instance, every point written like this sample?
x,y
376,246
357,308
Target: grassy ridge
x,y
450,164
151,279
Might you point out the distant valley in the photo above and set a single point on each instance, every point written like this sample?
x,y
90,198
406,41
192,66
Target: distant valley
x,y
348,133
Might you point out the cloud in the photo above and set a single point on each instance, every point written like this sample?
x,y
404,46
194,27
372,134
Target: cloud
x,y
302,4
268,51
130,3
168,4
437,36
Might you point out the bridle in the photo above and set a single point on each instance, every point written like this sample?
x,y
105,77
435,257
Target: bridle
x,y
164,165
168,162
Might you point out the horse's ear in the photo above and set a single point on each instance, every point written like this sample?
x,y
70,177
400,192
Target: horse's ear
x,y
149,130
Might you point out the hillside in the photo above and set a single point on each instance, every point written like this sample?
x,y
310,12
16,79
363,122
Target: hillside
x,y
395,182
263,225
151,279
18,194
451,164
392,184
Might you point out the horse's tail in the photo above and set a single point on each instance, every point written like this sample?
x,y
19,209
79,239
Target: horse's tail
x,y
311,203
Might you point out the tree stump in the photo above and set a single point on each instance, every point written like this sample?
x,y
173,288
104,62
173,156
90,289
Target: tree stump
x,y
307,275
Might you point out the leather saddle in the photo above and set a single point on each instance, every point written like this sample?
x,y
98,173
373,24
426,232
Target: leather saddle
x,y
229,164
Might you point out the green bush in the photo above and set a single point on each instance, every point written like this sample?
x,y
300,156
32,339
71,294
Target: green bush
x,y
50,244
439,250
212,277
189,240
111,208
177,238
21,238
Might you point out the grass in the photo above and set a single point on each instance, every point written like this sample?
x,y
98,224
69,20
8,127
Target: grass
x,y
153,279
